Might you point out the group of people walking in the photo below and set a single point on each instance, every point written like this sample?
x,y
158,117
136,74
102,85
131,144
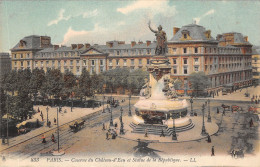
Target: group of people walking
x,y
255,99
52,139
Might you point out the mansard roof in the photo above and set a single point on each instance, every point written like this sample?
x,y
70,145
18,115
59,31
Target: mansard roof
x,y
196,32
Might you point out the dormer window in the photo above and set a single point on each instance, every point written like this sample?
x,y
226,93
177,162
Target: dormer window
x,y
185,34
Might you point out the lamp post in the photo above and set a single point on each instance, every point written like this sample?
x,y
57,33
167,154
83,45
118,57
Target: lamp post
x,y
121,122
71,107
174,136
47,109
111,117
7,113
58,131
203,131
103,102
129,112
191,108
209,117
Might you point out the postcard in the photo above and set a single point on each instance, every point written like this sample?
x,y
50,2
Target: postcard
x,y
129,83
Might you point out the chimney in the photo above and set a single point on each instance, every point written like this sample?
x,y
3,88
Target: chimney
x,y
80,46
246,38
140,42
121,42
87,45
148,43
73,46
219,36
109,44
175,30
133,43
207,33
55,47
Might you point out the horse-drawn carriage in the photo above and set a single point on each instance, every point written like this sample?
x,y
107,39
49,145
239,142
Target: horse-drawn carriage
x,y
235,108
77,125
237,153
225,107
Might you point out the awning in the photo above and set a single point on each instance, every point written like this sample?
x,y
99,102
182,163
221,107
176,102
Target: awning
x,y
9,116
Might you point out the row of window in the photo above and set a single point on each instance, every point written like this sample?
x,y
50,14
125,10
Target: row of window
x,y
22,56
133,52
209,50
57,54
140,61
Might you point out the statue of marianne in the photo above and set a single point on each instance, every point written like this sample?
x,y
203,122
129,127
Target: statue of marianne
x,y
161,40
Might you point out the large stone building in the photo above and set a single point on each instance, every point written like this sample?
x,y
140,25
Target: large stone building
x,y
5,63
256,64
226,60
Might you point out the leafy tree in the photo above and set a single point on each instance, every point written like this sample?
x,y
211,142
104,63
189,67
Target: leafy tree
x,y
53,83
9,81
177,84
137,79
37,79
84,85
198,81
69,83
96,83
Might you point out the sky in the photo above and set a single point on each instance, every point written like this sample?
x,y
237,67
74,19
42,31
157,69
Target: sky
x,y
95,22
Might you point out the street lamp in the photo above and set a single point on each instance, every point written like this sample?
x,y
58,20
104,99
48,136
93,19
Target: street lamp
x,y
111,117
191,108
174,135
203,131
129,112
121,122
103,103
47,109
209,117
71,106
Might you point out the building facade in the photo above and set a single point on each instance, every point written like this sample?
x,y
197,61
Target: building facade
x,y
226,60
5,63
256,65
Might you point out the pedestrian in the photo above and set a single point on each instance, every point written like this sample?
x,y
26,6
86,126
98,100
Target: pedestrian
x,y
162,134
255,101
42,117
107,136
212,151
49,124
53,138
251,123
146,134
43,139
54,121
104,128
209,139
3,158
217,110
116,125
38,109
37,123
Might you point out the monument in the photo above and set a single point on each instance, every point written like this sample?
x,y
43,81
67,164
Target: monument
x,y
159,110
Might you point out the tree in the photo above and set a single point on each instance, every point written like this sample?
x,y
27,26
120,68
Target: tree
x,y
199,81
37,79
136,80
177,84
69,84
84,85
53,83
9,81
